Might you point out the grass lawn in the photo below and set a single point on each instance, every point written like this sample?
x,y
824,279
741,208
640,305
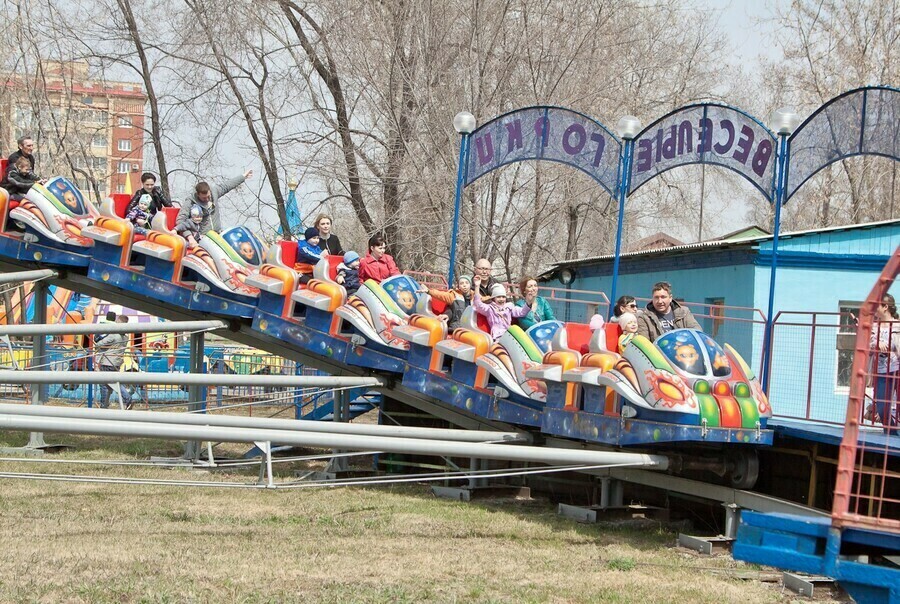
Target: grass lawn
x,y
78,542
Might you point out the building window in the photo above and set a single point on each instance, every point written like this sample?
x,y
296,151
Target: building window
x,y
98,140
120,188
125,145
123,167
124,121
846,340
98,163
716,319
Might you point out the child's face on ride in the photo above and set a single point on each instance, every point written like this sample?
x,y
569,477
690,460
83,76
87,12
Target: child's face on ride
x,y
144,205
500,300
197,218
354,265
630,326
314,241
25,168
464,286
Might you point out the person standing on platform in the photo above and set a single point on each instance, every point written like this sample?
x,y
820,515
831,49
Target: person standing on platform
x,y
110,354
885,339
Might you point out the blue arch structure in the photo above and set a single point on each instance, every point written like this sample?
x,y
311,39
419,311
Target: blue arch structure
x,y
706,133
550,134
541,132
864,121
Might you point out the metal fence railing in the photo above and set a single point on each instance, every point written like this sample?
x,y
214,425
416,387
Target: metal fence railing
x,y
301,403
811,358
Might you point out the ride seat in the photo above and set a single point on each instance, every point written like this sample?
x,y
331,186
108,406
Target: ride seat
x,y
474,321
288,253
171,215
579,336
120,203
612,331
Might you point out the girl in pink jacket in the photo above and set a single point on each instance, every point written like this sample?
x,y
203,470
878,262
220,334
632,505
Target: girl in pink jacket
x,y
499,312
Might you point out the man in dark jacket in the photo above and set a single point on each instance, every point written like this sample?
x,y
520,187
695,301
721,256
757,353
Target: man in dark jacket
x,y
157,199
483,271
26,150
663,314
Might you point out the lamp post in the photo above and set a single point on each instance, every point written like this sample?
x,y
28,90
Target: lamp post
x,y
566,277
783,121
464,124
628,128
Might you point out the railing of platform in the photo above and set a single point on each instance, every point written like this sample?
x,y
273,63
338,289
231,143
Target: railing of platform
x,y
811,358
867,491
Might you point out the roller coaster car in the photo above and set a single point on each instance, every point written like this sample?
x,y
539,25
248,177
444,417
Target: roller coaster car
x,y
52,217
376,309
224,261
682,387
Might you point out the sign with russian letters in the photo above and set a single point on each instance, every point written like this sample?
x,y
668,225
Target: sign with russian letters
x,y
709,134
548,133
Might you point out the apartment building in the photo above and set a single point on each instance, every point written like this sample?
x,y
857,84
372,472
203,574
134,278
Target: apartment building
x,y
86,129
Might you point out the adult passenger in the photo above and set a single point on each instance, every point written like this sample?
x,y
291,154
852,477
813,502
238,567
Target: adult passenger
x,y
624,304
328,241
26,150
663,314
206,196
377,265
158,200
483,274
885,337
528,287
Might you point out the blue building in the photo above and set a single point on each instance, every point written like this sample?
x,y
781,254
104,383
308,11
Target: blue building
x,y
823,276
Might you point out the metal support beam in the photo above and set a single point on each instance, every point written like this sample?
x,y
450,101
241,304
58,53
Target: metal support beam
x,y
196,392
414,446
38,355
187,379
241,421
340,415
22,276
66,329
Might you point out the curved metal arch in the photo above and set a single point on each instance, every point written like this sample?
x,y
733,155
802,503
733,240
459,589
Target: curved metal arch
x,y
766,194
610,187
767,190
709,104
864,89
611,192
557,107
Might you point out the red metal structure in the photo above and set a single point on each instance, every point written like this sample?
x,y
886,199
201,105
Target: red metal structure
x,y
867,493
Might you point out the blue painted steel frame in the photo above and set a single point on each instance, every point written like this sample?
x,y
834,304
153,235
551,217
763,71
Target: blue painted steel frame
x,y
810,544
784,150
624,180
457,202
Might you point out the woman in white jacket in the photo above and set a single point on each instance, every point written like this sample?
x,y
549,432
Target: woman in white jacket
x,y
885,339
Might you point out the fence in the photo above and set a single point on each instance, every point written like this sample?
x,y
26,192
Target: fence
x,y
312,403
811,357
867,492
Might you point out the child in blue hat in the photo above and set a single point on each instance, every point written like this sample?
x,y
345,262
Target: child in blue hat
x,y
348,272
308,254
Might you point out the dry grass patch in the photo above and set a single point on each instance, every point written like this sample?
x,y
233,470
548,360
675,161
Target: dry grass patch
x,y
76,542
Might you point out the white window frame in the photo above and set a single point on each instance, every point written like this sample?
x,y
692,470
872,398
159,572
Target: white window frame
x,y
125,122
124,144
120,188
123,167
838,389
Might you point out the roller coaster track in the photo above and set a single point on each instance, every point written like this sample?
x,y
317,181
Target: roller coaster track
x,y
240,331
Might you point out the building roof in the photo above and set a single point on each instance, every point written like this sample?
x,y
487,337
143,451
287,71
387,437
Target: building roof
x,y
735,240
656,241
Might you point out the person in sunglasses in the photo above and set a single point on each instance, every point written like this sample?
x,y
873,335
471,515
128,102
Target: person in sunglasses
x,y
624,304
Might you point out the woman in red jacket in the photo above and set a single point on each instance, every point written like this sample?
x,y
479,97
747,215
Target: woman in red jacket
x,y
377,265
